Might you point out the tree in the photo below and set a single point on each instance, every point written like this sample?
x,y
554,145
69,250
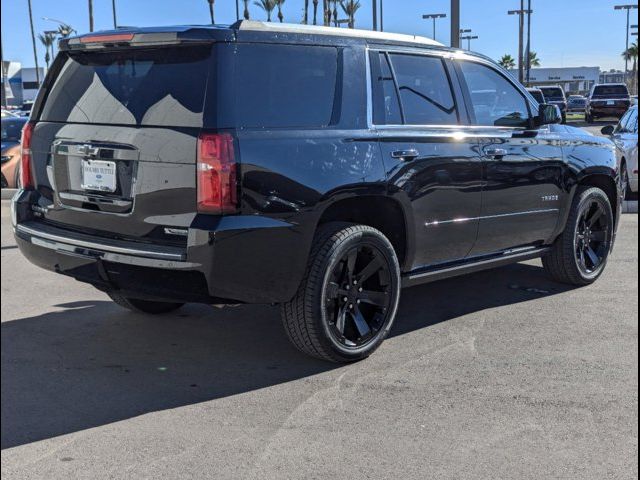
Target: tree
x,y
279,5
65,30
266,5
534,61
212,5
350,8
47,40
33,42
632,54
508,62
246,9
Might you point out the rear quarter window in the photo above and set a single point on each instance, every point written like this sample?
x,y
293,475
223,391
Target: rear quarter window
x,y
143,87
285,85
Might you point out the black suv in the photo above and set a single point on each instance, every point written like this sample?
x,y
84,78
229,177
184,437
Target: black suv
x,y
554,94
607,100
320,169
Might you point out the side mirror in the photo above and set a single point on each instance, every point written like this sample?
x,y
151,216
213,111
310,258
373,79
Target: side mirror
x,y
607,130
548,114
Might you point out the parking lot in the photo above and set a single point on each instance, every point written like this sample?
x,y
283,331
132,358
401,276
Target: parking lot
x,y
501,374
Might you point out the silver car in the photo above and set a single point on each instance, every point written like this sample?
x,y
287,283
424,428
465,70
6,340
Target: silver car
x,y
625,136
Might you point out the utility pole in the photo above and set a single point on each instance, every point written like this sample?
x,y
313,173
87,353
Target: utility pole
x,y
381,15
115,19
521,13
375,14
628,8
434,16
455,23
529,12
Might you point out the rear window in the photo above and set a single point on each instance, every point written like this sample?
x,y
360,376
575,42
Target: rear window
x,y
285,85
610,90
159,87
553,92
538,96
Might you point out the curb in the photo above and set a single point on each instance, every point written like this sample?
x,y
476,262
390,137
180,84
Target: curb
x,y
7,193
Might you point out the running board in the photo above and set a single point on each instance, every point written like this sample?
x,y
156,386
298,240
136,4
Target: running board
x,y
425,276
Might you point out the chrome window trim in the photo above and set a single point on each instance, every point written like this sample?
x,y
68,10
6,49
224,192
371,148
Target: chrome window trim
x,y
436,223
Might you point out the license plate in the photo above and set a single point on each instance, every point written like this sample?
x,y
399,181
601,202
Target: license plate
x,y
98,175
610,102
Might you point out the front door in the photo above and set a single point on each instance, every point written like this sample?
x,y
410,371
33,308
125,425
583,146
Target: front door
x,y
523,167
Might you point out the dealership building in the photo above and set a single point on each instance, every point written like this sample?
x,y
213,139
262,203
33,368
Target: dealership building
x,y
19,84
571,79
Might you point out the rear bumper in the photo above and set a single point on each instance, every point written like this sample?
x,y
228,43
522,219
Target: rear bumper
x,y
235,259
604,111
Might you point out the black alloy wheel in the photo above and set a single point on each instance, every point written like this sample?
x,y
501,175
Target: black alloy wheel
x,y
592,237
358,296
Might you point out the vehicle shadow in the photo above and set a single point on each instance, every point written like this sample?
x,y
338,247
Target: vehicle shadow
x,y
92,363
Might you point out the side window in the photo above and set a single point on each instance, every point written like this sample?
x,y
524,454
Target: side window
x,y
625,122
634,127
387,107
496,101
425,90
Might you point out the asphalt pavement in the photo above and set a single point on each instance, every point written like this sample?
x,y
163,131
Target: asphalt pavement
x,y
502,374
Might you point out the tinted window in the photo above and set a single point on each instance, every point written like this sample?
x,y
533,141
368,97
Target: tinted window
x,y
610,91
538,96
496,101
285,85
554,93
12,129
425,92
623,124
131,87
386,109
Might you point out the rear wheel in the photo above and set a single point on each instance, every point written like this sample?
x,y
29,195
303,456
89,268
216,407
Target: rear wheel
x,y
144,306
580,254
347,302
588,118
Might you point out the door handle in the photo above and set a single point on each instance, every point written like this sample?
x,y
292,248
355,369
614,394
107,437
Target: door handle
x,y
405,155
496,153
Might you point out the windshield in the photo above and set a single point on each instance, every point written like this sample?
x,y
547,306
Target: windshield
x,y
159,87
12,129
610,91
554,93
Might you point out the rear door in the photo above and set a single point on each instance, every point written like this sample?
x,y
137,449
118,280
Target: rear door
x,y
115,143
431,161
523,167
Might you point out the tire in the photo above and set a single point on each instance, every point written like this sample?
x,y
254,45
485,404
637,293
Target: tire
x,y
565,262
144,306
324,319
624,180
564,118
17,179
588,118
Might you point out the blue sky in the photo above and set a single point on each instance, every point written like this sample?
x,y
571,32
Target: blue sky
x,y
564,32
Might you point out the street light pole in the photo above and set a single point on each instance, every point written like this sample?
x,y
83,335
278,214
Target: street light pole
x,y
113,9
529,12
455,23
434,17
520,14
375,14
628,8
468,38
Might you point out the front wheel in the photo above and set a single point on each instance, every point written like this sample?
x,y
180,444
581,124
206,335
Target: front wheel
x,y
580,254
144,306
347,302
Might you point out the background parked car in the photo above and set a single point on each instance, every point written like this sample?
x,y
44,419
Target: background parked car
x,y
537,94
554,94
625,136
607,100
576,103
11,131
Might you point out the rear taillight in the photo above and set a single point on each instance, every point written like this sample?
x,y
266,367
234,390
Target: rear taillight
x,y
216,174
26,177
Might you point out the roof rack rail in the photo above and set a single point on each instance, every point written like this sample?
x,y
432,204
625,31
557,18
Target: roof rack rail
x,y
251,25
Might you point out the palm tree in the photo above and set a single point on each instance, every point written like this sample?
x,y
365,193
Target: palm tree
x,y
33,41
632,54
246,9
212,4
47,40
508,62
534,61
334,13
91,15
315,12
279,5
65,30
350,8
266,5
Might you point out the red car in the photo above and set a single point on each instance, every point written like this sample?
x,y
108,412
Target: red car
x,y
607,100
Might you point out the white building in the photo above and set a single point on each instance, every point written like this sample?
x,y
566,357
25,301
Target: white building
x,y
571,79
19,84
